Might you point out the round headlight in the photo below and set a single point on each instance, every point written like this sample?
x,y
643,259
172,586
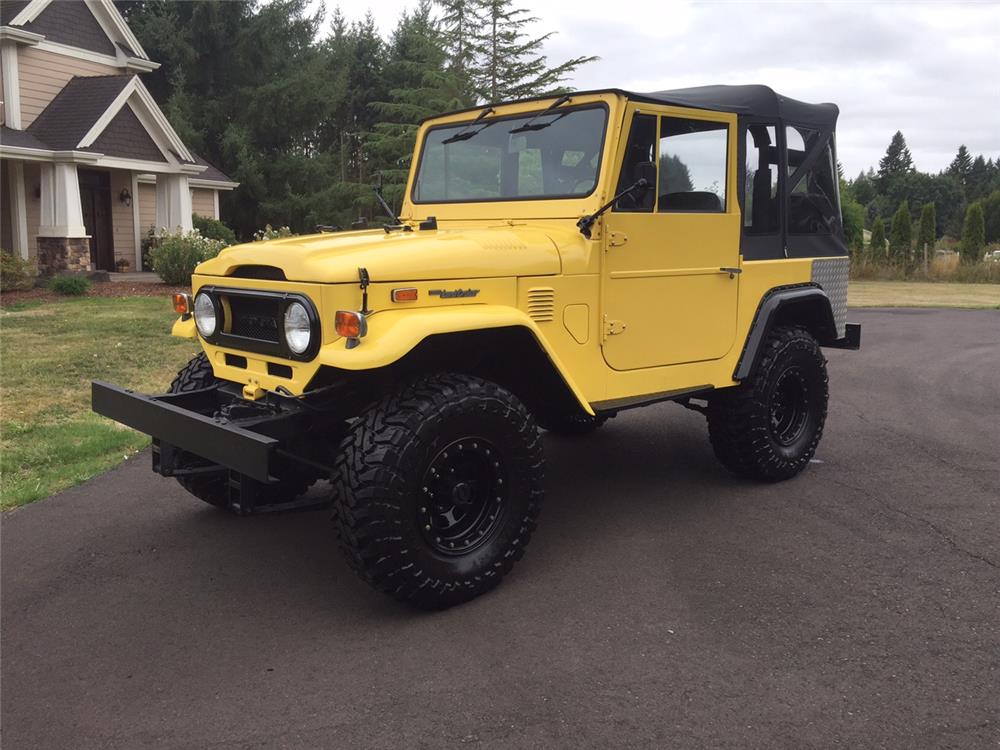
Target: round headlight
x,y
298,331
204,315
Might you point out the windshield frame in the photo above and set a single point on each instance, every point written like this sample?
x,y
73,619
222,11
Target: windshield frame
x,y
458,125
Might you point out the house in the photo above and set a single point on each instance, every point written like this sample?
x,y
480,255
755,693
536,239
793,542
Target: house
x,y
88,161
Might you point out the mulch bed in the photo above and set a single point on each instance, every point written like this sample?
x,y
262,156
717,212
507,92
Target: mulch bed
x,y
97,289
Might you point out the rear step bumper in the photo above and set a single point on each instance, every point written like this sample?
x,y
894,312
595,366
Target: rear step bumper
x,y
851,340
174,421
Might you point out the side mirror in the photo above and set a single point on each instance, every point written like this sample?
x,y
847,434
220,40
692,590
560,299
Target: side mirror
x,y
645,170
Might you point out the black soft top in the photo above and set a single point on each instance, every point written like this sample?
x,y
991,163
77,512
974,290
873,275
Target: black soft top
x,y
749,101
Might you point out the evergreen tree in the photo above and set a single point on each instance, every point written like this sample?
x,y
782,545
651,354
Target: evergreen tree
x,y
977,180
961,164
927,234
901,236
460,24
991,217
509,63
877,244
863,189
896,163
973,235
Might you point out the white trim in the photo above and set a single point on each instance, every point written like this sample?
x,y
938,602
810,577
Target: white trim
x,y
115,18
213,184
30,12
161,120
20,35
45,155
215,199
11,85
152,129
129,63
136,229
18,208
116,162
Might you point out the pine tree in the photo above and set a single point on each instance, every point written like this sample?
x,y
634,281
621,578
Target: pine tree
x,y
508,61
927,234
460,23
973,235
901,236
961,164
896,163
877,246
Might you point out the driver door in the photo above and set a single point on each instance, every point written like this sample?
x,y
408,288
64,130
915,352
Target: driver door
x,y
666,299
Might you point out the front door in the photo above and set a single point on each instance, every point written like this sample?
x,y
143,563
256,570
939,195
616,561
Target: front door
x,y
666,299
95,199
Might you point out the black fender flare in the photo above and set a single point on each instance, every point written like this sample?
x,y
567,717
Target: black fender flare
x,y
807,304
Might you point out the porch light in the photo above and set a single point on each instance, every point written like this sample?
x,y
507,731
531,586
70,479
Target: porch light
x,y
125,196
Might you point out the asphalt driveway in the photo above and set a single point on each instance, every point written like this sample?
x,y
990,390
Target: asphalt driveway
x,y
661,603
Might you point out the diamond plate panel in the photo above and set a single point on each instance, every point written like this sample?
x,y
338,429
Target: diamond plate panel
x,y
830,274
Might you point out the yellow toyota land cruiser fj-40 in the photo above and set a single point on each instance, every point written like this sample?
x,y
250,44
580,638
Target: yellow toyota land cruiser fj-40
x,y
554,262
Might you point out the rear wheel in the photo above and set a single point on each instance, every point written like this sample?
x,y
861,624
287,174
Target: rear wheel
x,y
437,489
768,428
213,487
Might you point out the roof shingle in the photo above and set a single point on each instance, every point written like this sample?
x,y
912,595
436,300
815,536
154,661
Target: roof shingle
x,y
68,117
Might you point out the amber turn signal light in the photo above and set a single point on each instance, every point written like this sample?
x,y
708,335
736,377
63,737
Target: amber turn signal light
x,y
350,324
404,294
182,304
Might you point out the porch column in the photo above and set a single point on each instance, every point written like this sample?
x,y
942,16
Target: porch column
x,y
173,203
63,243
18,208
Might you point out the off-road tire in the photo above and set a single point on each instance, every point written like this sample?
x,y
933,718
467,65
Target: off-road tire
x,y
213,488
575,424
382,498
745,422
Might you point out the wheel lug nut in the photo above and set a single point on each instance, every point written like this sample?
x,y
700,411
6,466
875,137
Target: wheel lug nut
x,y
424,510
427,527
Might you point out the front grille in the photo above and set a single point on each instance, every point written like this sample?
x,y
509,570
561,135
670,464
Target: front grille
x,y
257,318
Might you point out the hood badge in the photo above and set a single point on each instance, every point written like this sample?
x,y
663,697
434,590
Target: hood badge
x,y
452,293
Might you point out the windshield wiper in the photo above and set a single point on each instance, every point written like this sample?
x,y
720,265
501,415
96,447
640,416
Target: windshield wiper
x,y
541,126
586,222
467,132
396,222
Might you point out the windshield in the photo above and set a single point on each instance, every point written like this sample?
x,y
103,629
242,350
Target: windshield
x,y
556,155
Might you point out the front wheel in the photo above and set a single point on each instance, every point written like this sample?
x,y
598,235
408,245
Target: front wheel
x,y
768,427
437,489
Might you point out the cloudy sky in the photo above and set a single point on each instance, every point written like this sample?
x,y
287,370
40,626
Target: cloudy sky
x,y
930,69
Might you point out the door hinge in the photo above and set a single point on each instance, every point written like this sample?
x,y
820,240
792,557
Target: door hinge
x,y
617,239
613,327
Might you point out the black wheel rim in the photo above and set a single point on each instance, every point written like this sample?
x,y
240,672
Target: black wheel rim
x,y
789,407
462,496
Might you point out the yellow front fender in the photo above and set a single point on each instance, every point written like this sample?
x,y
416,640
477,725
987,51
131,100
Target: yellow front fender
x,y
184,328
394,333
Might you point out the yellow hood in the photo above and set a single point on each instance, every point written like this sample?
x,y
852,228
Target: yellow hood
x,y
398,256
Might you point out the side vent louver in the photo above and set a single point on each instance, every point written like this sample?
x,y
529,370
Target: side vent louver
x,y
542,304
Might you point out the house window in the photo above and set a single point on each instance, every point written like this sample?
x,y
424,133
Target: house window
x,y
692,157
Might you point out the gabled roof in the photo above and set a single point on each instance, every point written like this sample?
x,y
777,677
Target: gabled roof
x,y
211,173
75,109
21,139
94,25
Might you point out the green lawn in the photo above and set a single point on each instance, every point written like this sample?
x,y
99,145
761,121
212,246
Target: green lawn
x,y
49,353
922,294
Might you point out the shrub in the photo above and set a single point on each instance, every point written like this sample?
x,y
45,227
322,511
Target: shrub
x,y
175,256
213,229
973,235
927,234
272,233
901,235
73,286
877,246
15,272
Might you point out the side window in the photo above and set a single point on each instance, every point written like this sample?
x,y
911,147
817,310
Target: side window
x,y
812,201
638,152
760,196
693,155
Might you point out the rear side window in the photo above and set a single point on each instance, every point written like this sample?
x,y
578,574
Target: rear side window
x,y
692,161
760,196
813,205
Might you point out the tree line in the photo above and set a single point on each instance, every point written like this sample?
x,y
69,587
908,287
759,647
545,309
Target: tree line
x,y
306,114
908,211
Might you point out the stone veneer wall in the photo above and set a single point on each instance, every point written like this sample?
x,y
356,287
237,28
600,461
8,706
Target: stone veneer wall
x,y
62,254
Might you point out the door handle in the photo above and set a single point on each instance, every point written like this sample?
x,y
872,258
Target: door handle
x,y
731,271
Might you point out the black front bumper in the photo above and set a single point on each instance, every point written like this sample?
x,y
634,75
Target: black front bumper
x,y
185,421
